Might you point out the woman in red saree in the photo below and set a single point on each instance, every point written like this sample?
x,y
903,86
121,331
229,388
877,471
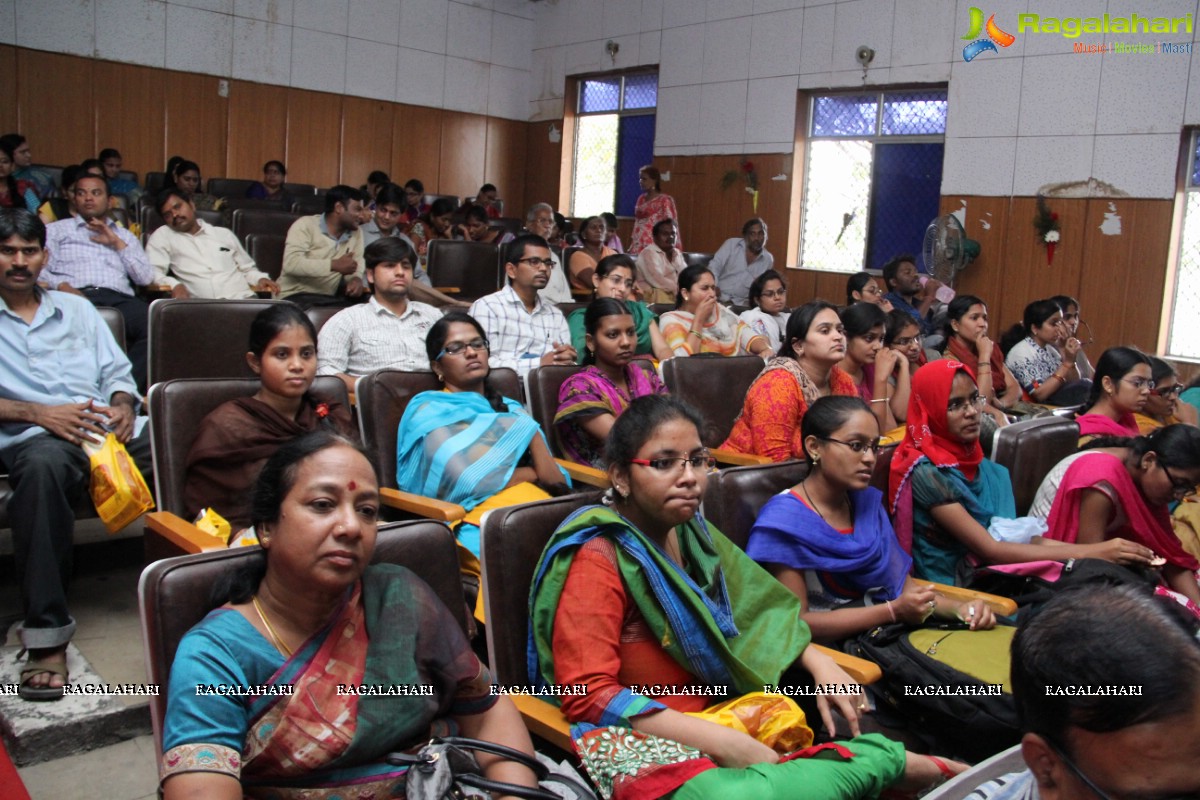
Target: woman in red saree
x,y
651,208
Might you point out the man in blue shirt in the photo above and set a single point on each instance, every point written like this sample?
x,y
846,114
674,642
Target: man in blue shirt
x,y
906,293
62,379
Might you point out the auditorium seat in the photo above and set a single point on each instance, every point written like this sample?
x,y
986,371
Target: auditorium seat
x,y
473,268
309,204
116,323
697,259
715,386
319,315
511,225
201,338
155,181
299,189
429,199
232,204
246,221
1029,449
267,251
229,187
151,220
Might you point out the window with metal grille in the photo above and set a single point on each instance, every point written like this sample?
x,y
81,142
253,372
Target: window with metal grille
x,y
614,138
874,176
1183,335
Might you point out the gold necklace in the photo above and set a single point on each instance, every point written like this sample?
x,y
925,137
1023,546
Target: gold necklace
x,y
275,638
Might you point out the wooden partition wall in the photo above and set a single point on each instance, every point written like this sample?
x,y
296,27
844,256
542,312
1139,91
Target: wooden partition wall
x,y
69,107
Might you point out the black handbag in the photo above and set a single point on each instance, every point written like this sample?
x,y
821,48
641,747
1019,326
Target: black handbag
x,y
440,770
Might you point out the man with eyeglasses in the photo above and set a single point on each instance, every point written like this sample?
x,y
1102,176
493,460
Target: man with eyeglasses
x,y
740,260
525,331
1107,685
539,220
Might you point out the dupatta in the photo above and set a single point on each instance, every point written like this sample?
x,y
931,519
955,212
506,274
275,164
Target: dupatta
x,y
966,353
1145,525
1093,424
868,560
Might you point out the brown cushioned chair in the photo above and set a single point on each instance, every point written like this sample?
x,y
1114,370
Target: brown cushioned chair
x,y
697,259
715,386
229,187
473,268
116,323
201,338
267,251
246,221
320,315
1029,449
299,189
151,220
173,594
309,204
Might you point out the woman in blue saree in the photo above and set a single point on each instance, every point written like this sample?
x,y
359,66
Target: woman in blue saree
x,y
466,444
258,703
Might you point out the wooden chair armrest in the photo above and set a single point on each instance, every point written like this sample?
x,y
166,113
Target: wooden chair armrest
x,y
448,289
426,507
180,534
1001,606
545,720
736,459
863,671
582,473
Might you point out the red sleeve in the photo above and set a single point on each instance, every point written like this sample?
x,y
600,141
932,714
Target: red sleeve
x,y
775,407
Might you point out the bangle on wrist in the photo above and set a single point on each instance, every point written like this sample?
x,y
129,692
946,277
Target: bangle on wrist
x,y
891,610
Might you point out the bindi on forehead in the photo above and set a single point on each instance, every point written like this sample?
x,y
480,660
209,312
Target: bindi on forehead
x,y
351,486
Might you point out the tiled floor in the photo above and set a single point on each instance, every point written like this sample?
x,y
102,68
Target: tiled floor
x,y
103,599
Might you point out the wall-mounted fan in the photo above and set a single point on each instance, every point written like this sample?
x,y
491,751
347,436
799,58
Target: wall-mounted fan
x,y
947,250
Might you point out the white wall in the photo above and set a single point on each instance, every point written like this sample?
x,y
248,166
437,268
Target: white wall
x,y
463,55
1034,113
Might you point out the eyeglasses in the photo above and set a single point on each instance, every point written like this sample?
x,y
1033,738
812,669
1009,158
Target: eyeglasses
x,y
857,446
1180,487
962,404
1139,383
1169,391
871,288
904,341
454,348
774,294
1103,795
674,465
537,262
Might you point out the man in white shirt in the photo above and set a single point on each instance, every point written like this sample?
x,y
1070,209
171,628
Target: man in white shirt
x,y
659,264
200,260
524,330
740,260
386,332
539,220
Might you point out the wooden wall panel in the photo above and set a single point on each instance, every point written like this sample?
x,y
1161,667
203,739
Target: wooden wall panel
x,y
314,137
504,162
366,140
197,121
464,148
8,89
258,124
543,165
987,223
55,112
129,114
417,146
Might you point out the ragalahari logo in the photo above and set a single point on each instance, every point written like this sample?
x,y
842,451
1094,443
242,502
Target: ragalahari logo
x,y
995,36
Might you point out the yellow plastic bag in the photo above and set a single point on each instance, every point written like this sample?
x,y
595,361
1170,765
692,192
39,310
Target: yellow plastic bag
x,y
213,524
118,489
773,719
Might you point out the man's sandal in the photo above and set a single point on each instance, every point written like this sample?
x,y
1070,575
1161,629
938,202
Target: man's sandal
x,y
42,693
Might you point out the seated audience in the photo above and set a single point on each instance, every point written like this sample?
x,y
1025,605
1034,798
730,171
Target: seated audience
x,y
486,197
582,261
271,186
376,180
186,176
323,254
612,239
22,157
111,161
1076,666
880,373
92,256
906,292
196,259
386,221
63,205
234,441
415,205
590,401
1126,494
433,224
523,330
563,234
903,334
768,313
805,369
700,324
830,541
861,287
539,220
476,228
614,278
1120,389
466,444
652,207
659,264
944,495
1045,374
1071,320
386,332
15,193
614,605
310,613
740,260
63,379
967,341
1163,406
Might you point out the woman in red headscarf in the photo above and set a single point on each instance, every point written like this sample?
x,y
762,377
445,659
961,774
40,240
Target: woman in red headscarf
x,y
943,494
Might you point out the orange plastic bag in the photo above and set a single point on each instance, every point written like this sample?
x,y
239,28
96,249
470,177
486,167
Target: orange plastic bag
x,y
118,489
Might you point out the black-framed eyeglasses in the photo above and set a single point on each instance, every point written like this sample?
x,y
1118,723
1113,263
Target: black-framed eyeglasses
x,y
454,348
856,446
1169,391
548,263
1180,487
1077,772
675,464
960,405
771,295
